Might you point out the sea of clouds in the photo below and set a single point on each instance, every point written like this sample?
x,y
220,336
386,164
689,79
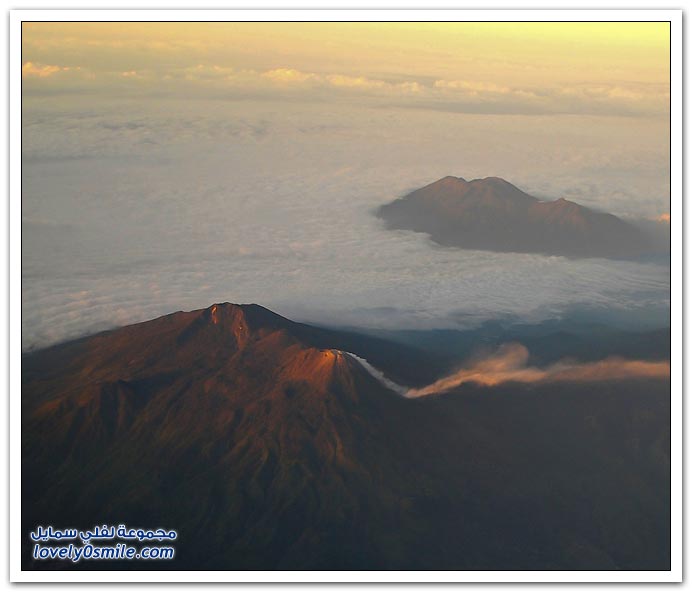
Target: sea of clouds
x,y
131,210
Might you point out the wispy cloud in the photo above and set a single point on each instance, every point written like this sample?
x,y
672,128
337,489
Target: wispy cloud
x,y
471,86
454,95
289,75
31,69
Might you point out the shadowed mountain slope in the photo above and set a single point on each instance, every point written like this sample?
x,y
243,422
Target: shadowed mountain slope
x,y
492,214
267,447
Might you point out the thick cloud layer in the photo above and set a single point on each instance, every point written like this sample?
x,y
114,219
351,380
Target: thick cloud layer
x,y
133,209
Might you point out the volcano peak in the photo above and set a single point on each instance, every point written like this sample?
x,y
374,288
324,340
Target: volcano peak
x,y
492,214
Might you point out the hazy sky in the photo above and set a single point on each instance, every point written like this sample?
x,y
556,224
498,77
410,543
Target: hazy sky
x,y
587,68
169,166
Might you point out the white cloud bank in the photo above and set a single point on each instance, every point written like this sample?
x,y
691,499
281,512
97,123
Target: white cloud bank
x,y
135,209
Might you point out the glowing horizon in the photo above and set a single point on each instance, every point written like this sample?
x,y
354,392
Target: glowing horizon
x,y
551,67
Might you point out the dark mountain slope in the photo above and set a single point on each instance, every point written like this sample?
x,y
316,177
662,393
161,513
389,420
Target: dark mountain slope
x,y
265,451
492,214
178,340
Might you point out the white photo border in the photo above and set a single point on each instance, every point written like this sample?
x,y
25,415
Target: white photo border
x,y
16,17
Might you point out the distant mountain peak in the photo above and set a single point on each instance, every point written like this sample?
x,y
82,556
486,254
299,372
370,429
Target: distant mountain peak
x,y
492,214
451,180
492,181
565,206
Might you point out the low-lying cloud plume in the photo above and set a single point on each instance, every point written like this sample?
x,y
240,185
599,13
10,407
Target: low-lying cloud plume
x,y
380,376
510,364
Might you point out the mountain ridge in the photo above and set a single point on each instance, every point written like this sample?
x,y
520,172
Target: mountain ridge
x,y
267,447
492,214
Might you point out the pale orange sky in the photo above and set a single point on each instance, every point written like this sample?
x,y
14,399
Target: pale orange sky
x,y
551,67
